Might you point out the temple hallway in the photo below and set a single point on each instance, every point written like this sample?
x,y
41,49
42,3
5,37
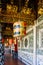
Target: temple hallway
x,y
10,61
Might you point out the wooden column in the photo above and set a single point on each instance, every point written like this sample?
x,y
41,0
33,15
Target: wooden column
x,y
15,45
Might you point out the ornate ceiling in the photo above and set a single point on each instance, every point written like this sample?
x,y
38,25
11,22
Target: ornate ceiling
x,y
13,10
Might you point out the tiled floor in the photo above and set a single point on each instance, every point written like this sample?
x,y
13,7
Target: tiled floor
x,y
10,61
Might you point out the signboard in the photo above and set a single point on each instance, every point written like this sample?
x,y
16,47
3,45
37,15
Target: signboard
x,y
19,28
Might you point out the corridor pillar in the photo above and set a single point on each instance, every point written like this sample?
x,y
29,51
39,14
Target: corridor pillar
x,y
1,47
15,49
35,49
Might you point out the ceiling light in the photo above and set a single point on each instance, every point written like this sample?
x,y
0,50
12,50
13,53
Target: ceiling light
x,y
40,11
9,7
8,28
0,9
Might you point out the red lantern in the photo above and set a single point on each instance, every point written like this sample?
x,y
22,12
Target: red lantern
x,y
2,40
10,41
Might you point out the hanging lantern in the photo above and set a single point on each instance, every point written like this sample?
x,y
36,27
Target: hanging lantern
x,y
2,40
10,41
19,28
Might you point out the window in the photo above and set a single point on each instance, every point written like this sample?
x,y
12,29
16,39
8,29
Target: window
x,y
0,36
26,42
18,44
41,38
31,41
22,44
